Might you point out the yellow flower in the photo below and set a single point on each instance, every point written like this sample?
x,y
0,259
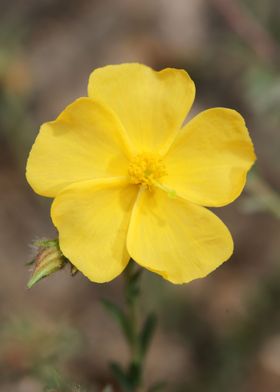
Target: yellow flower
x,y
130,181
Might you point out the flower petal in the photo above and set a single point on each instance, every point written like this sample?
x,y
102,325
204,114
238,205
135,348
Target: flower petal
x,y
83,143
209,160
151,105
92,219
176,239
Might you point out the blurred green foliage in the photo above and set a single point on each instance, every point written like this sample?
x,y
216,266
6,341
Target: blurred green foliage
x,y
32,348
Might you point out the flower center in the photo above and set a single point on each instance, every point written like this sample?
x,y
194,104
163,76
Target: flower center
x,y
146,169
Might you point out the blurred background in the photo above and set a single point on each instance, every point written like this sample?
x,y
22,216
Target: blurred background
x,y
219,334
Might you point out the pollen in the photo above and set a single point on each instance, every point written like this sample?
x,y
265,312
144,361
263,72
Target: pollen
x,y
146,169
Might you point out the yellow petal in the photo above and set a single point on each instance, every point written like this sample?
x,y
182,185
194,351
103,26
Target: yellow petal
x,y
176,239
84,143
151,105
92,219
209,160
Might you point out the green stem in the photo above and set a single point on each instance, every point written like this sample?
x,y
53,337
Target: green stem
x,y
132,291
137,336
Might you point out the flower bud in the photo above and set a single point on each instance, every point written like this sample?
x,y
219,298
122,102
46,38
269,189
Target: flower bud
x,y
48,260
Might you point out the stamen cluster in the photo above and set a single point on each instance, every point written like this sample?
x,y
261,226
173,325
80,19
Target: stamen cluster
x,y
146,169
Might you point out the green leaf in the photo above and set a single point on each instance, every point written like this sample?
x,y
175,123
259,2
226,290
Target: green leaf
x,y
120,317
120,376
134,374
147,333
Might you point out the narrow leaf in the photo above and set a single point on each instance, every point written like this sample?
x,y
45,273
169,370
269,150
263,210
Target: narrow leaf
x,y
134,374
120,376
120,317
147,333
